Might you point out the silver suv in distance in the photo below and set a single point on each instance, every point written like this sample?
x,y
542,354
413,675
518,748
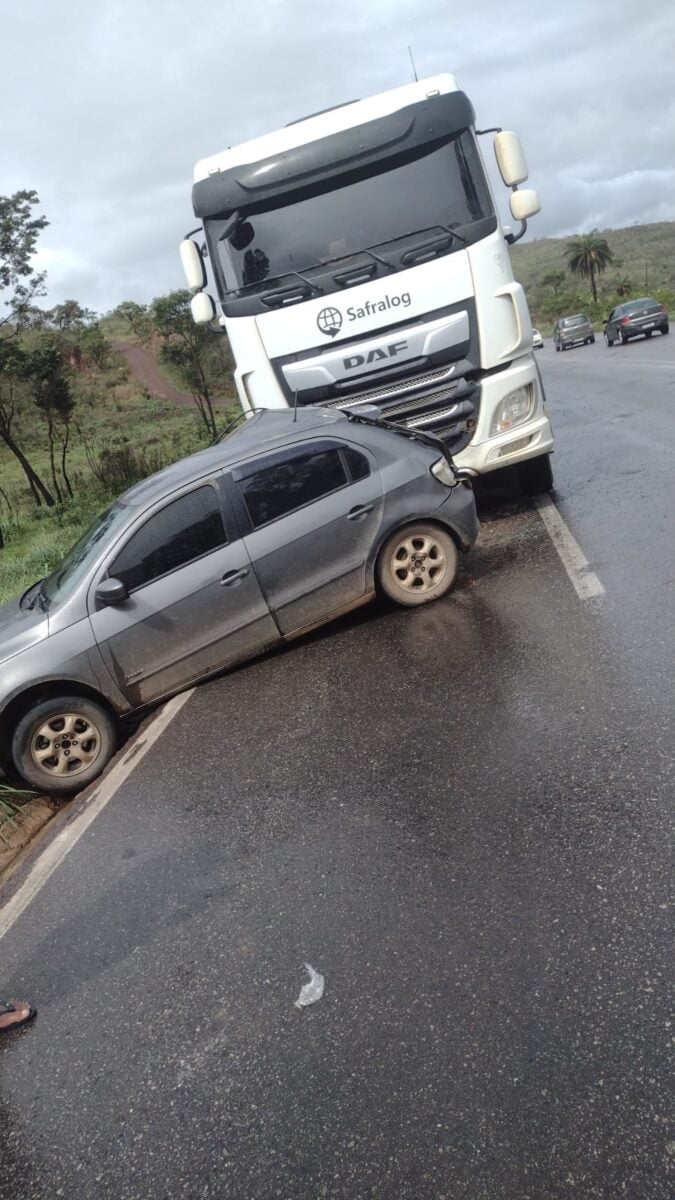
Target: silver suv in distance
x,y
573,331
294,519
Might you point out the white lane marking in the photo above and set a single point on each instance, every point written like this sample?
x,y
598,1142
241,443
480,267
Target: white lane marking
x,y
585,582
63,843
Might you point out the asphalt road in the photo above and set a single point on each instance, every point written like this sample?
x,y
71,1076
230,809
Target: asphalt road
x,y
460,816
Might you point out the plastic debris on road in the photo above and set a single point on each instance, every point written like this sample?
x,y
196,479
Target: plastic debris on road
x,y
312,991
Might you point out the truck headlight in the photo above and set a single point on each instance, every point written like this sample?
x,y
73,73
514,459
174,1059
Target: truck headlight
x,y
513,409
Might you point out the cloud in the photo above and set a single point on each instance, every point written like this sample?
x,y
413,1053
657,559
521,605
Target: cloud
x,y
123,97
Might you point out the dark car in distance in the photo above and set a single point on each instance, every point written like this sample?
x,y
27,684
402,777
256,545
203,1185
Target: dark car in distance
x,y
572,331
293,520
636,318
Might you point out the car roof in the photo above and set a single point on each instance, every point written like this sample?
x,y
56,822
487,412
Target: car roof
x,y
642,300
266,430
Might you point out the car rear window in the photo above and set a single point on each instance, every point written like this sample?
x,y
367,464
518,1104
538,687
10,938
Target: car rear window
x,y
288,484
581,320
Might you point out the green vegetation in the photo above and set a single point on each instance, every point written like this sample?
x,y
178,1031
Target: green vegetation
x,y
75,428
642,263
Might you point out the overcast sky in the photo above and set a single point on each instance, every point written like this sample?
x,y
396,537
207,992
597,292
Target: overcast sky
x,y
107,104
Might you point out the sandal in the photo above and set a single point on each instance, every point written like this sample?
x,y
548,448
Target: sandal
x,y
9,1006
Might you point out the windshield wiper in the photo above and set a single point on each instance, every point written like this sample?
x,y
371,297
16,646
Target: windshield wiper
x,y
30,597
370,415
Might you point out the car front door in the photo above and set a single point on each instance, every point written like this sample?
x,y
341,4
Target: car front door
x,y
315,510
194,603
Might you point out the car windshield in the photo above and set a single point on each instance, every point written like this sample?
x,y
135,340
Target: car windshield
x,y
62,582
445,188
581,320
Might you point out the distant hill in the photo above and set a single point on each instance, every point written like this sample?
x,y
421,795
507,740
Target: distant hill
x,y
646,254
644,264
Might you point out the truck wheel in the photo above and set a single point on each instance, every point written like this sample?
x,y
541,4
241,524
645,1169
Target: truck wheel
x,y
536,475
60,745
417,564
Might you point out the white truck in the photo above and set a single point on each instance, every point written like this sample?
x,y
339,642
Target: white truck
x,y
359,258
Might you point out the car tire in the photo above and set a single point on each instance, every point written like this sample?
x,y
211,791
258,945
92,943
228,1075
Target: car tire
x,y
536,475
648,333
592,340
417,564
90,736
609,342
624,340
666,329
557,346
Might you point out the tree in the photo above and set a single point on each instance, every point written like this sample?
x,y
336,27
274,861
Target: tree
x,y
623,286
12,395
194,351
588,255
45,370
71,315
555,280
137,317
19,232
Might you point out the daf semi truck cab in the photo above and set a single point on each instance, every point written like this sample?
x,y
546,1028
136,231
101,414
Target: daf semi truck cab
x,y
359,258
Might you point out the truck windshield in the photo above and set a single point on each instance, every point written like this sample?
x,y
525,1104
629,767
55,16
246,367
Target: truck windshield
x,y
445,187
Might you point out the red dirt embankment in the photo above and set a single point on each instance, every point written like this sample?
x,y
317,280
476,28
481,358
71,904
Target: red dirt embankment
x,y
142,364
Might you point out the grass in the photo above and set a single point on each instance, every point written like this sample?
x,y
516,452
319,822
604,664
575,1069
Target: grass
x,y
112,423
9,811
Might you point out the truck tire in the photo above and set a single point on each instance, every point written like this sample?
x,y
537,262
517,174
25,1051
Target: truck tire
x,y
417,564
536,475
61,744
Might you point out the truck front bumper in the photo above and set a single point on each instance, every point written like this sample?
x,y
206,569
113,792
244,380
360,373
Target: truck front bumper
x,y
534,436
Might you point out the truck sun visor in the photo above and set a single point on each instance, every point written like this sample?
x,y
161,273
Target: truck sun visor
x,y
433,120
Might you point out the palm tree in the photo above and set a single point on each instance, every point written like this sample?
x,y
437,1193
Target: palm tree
x,y
588,255
623,286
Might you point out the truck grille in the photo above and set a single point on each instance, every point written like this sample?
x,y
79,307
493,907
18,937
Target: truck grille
x,y
450,412
392,390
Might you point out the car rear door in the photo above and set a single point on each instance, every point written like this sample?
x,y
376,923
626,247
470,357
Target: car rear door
x,y
314,511
194,603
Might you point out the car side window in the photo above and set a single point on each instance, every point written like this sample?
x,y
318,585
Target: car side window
x,y
289,483
179,533
357,463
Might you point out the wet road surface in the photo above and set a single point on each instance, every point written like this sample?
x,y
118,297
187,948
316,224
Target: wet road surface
x,y
460,816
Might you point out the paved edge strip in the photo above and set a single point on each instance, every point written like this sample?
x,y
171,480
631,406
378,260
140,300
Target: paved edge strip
x,y
56,851
585,582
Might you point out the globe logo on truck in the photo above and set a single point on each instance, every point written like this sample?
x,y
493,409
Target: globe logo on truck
x,y
329,321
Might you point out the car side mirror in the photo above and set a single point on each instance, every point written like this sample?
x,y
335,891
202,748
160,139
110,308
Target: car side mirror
x,y
112,591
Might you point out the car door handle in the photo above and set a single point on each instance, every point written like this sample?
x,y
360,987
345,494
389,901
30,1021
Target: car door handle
x,y
361,510
232,577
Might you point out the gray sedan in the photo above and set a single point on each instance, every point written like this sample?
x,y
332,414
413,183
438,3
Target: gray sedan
x,y
290,522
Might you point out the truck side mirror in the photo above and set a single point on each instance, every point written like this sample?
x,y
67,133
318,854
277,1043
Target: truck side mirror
x,y
524,204
193,264
510,158
202,308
